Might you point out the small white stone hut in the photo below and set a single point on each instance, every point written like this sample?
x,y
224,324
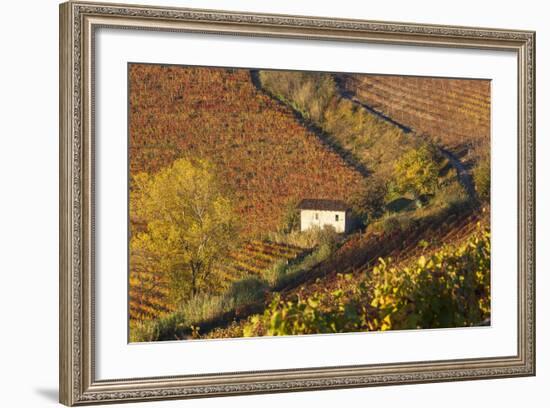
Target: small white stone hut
x,y
321,212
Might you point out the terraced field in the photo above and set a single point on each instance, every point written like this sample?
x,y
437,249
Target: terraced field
x,y
453,112
253,258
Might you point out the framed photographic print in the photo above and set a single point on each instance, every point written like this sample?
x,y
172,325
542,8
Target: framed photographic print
x,y
256,203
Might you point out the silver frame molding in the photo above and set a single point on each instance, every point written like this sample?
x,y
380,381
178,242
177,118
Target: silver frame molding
x,y
78,22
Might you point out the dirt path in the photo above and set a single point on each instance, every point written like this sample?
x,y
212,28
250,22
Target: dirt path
x,y
462,173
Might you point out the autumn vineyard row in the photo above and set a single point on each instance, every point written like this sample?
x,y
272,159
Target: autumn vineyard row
x,y
149,294
455,112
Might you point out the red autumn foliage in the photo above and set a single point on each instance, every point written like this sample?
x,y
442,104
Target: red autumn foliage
x,y
456,113
265,157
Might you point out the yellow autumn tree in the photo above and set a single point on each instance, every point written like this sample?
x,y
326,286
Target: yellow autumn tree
x,y
185,225
416,171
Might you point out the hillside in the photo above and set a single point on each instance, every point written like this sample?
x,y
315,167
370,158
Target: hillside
x,y
149,293
455,113
379,119
372,141
277,137
357,257
264,155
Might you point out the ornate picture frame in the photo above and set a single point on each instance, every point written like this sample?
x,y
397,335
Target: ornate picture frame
x,y
78,24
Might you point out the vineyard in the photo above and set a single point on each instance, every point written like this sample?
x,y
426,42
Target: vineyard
x,y
455,113
255,257
370,140
149,295
256,143
448,288
361,253
148,292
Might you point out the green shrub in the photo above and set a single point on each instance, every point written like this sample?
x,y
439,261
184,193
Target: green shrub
x,y
369,202
200,308
394,222
416,172
328,311
302,239
482,179
164,327
245,291
451,288
273,274
310,93
452,197
143,331
391,224
283,272
328,237
205,307
291,218
400,204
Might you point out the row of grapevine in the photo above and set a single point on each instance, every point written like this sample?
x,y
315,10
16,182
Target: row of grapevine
x,y
149,295
254,257
456,112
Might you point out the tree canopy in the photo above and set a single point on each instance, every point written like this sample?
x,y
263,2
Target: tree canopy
x,y
369,202
416,171
188,224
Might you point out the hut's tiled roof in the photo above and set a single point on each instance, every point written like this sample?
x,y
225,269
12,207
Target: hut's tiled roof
x,y
322,205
